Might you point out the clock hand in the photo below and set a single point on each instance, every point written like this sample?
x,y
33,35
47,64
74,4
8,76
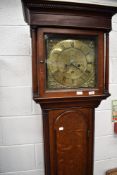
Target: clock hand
x,y
78,66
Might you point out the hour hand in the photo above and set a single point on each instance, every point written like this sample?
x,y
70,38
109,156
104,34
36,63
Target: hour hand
x,y
76,66
72,64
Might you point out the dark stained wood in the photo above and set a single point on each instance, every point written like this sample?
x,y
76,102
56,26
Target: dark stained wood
x,y
68,118
46,138
70,21
50,13
107,63
60,103
34,61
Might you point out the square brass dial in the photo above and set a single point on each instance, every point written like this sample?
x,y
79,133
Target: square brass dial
x,y
71,62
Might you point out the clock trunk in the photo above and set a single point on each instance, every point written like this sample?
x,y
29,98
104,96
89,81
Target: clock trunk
x,y
70,141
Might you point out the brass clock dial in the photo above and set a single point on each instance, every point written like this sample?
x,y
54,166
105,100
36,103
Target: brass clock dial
x,y
71,64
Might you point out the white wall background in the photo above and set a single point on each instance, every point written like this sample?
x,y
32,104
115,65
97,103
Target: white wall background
x,y
21,143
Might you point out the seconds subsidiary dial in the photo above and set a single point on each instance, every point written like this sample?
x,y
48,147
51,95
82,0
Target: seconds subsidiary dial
x,y
71,63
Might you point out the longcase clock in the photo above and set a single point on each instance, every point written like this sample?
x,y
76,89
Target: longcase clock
x,y
70,58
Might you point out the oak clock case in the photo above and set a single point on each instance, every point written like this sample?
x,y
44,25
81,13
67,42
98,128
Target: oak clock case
x,y
70,58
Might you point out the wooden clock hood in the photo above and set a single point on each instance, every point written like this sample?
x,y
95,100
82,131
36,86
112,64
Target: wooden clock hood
x,y
44,12
67,15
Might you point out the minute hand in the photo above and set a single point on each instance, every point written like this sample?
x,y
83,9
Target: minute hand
x,y
77,67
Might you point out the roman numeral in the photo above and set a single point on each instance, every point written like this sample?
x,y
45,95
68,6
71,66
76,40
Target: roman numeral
x,y
72,44
89,62
56,53
87,71
62,46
